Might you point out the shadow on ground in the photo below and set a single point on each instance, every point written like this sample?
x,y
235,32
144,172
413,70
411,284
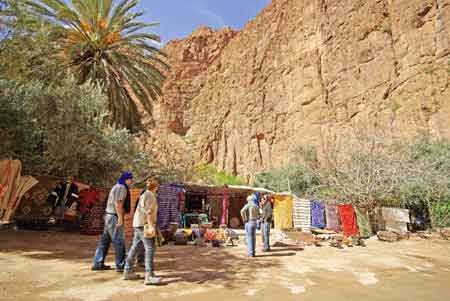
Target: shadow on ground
x,y
187,264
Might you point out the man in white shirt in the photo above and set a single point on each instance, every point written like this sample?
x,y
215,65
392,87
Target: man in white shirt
x,y
144,224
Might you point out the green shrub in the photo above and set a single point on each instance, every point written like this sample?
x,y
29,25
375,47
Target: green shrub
x,y
60,130
294,178
208,174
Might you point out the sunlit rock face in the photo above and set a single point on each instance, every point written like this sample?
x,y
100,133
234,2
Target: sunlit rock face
x,y
305,73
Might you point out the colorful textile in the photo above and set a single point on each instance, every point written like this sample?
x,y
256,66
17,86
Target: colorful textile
x,y
224,218
348,220
282,211
87,200
210,235
93,222
13,186
362,217
302,214
317,214
9,173
168,204
332,215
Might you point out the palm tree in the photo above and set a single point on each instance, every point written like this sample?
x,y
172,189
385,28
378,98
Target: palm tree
x,y
103,42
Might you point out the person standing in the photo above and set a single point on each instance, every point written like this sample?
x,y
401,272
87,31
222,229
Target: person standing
x,y
113,230
249,214
266,219
145,231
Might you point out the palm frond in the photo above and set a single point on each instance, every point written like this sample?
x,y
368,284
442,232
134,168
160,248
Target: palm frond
x,y
102,41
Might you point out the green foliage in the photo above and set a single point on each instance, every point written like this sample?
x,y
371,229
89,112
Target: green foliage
x,y
223,178
104,42
427,177
440,214
53,124
25,46
208,174
59,130
294,178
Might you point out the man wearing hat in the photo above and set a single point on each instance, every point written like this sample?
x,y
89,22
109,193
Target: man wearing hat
x,y
249,214
118,202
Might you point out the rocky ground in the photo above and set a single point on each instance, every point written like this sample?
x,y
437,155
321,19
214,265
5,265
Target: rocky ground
x,y
56,266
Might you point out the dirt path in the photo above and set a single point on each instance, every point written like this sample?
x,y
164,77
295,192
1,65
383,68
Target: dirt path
x,y
56,266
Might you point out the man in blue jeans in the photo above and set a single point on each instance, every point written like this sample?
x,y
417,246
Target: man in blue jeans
x,y
266,220
249,214
145,231
113,231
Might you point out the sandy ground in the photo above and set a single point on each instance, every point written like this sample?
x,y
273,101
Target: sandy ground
x,y
56,266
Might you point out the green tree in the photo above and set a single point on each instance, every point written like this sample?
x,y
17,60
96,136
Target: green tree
x,y
59,130
102,41
25,45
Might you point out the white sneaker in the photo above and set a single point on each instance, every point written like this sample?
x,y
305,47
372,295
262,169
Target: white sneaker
x,y
130,276
152,281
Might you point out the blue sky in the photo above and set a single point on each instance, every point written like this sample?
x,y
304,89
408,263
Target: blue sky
x,y
179,18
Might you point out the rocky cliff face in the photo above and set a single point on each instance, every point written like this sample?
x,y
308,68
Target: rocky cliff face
x,y
305,72
189,59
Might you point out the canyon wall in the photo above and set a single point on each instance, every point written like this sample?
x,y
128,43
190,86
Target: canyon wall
x,y
305,73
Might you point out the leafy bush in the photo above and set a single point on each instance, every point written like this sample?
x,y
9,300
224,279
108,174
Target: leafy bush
x,y
427,180
60,130
208,174
295,178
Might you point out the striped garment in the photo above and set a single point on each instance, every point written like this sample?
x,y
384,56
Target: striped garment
x,y
168,204
302,214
